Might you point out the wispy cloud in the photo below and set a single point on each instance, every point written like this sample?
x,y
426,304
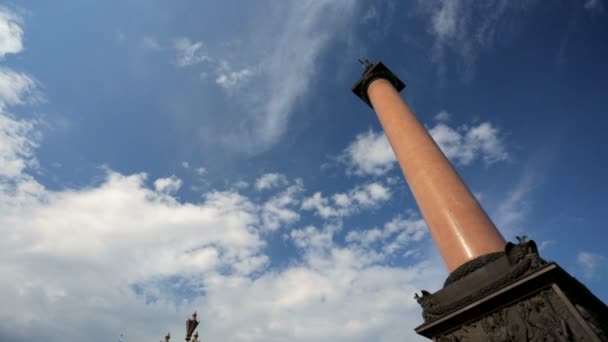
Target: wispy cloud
x,y
545,244
17,142
595,6
188,53
591,264
465,28
271,74
16,88
18,138
513,210
370,14
151,43
303,32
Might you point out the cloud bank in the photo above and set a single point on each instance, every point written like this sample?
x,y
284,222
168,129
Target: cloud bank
x,y
125,256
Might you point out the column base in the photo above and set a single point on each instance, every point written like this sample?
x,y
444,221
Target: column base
x,y
513,296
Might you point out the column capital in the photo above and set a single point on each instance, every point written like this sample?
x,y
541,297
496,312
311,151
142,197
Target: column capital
x,y
373,72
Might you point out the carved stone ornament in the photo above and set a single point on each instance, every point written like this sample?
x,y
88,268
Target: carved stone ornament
x,y
543,317
516,296
521,259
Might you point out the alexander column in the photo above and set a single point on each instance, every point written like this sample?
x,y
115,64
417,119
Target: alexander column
x,y
496,291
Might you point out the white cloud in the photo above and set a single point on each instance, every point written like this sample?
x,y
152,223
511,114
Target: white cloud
x,y
370,195
445,21
270,181
321,205
339,205
311,238
335,294
185,165
369,154
11,33
465,144
443,116
17,137
169,186
231,79
591,263
86,249
279,210
189,53
83,248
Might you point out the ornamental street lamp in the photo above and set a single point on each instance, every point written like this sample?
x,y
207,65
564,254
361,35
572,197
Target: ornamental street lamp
x,y
191,325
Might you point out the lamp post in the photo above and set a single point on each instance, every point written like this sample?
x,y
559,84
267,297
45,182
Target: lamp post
x,y
191,325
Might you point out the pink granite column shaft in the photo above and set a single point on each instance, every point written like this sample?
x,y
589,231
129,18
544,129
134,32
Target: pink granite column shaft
x,y
459,226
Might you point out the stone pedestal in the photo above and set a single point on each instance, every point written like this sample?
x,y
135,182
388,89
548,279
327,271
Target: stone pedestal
x,y
513,296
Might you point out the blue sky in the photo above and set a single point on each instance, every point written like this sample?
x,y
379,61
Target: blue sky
x,y
162,157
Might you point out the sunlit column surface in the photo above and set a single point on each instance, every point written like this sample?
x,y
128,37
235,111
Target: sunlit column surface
x,y
459,226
